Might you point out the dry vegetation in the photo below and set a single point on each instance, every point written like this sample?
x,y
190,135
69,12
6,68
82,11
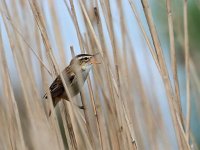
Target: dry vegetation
x,y
122,110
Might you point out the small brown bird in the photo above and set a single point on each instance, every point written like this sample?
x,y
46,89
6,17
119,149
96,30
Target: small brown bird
x,y
74,75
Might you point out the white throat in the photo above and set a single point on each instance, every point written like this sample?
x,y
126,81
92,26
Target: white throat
x,y
85,71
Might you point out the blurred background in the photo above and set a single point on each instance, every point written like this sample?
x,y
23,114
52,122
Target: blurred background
x,y
159,11
126,96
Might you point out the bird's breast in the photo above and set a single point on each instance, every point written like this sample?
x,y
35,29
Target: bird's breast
x,y
78,84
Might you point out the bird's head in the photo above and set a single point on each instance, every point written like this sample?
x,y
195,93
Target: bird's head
x,y
84,61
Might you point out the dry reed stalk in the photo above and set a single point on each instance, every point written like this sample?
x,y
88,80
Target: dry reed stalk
x,y
100,32
95,112
101,52
157,113
88,134
91,28
86,113
53,120
153,53
69,144
187,70
136,122
73,140
186,145
28,44
105,132
109,124
41,25
125,73
57,33
159,56
97,109
62,54
164,73
4,136
196,85
117,109
107,62
82,135
173,58
122,111
13,113
113,43
147,110
92,101
80,41
27,54
124,46
82,94
74,18
14,50
194,75
27,81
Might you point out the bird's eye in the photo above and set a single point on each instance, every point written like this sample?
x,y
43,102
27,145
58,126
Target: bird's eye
x,y
86,58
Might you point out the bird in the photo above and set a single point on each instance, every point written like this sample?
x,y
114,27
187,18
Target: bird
x,y
75,74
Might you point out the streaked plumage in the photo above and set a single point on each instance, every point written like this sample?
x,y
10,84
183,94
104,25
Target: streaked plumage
x,y
78,70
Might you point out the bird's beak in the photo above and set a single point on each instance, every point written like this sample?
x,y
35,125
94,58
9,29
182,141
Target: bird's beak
x,y
93,59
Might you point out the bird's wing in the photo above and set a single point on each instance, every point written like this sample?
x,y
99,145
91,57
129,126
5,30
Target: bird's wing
x,y
57,87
